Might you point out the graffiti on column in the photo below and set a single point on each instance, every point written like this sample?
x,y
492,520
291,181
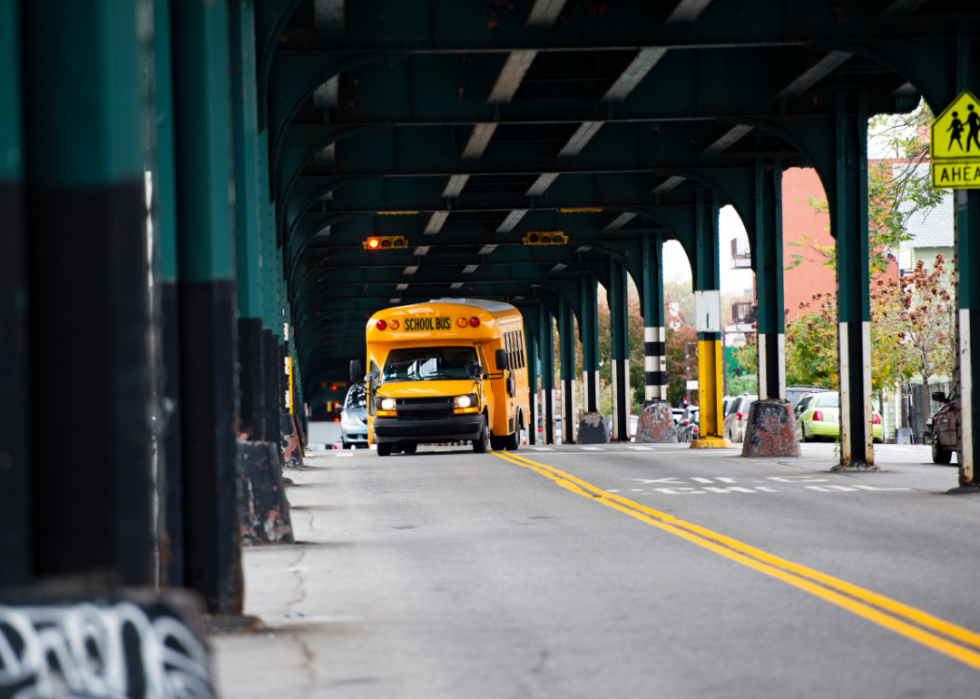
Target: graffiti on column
x,y
94,651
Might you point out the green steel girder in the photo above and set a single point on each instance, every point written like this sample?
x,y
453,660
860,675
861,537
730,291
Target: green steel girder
x,y
674,222
684,85
613,192
299,68
447,26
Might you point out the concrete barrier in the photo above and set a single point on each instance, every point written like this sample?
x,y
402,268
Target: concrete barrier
x,y
771,430
592,429
292,451
265,516
656,424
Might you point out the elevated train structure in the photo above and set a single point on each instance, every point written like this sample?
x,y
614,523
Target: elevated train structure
x,y
280,135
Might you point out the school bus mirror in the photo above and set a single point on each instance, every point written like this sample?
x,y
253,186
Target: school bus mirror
x,y
356,371
500,356
373,376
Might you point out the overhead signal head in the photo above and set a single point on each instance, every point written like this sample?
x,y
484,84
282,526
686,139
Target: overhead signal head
x,y
385,242
545,238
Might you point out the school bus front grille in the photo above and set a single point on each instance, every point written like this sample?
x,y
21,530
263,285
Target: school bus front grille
x,y
424,408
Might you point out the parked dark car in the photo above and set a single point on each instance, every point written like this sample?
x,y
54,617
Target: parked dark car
x,y
944,427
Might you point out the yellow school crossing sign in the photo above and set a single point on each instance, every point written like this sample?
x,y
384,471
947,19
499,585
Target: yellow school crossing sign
x,y
954,145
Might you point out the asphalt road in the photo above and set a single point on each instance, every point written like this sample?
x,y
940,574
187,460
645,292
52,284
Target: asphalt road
x,y
620,572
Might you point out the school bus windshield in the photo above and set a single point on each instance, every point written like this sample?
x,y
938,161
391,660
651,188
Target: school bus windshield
x,y
429,364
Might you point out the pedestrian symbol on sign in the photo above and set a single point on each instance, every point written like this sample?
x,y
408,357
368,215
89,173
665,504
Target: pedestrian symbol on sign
x,y
955,164
956,131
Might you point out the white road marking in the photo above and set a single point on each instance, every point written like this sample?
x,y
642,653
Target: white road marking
x,y
677,491
734,489
832,488
641,448
798,479
541,448
765,489
341,455
593,449
645,481
702,480
726,480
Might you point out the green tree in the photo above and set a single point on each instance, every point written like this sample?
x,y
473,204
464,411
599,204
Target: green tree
x,y
928,317
811,340
675,344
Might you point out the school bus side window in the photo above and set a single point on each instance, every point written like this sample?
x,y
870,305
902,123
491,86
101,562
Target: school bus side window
x,y
520,349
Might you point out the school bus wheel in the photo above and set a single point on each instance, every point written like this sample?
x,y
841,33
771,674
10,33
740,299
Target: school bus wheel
x,y
482,445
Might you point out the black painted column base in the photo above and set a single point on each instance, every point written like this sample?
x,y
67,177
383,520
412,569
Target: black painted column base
x,y
291,445
549,415
212,482
592,429
272,372
265,510
567,411
621,400
251,378
89,322
172,547
15,511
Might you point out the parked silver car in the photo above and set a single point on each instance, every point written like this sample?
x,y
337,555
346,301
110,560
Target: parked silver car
x,y
353,418
737,417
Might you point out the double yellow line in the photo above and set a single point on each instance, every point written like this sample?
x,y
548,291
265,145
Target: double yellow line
x,y
915,624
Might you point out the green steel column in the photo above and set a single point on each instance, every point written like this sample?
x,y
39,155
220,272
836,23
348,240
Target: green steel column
x,y
566,352
15,513
707,277
532,382
205,226
967,270
654,337
768,245
547,336
853,284
590,343
249,225
620,374
165,271
84,113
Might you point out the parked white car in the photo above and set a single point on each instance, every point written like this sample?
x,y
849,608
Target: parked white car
x,y
733,428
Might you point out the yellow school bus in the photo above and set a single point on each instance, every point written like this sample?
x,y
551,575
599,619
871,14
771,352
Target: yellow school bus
x,y
450,370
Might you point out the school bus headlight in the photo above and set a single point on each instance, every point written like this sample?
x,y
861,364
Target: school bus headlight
x,y
469,403
386,404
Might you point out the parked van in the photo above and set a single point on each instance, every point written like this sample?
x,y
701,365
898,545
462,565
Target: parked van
x,y
445,371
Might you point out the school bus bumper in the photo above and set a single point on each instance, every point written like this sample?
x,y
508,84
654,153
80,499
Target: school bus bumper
x,y
445,429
